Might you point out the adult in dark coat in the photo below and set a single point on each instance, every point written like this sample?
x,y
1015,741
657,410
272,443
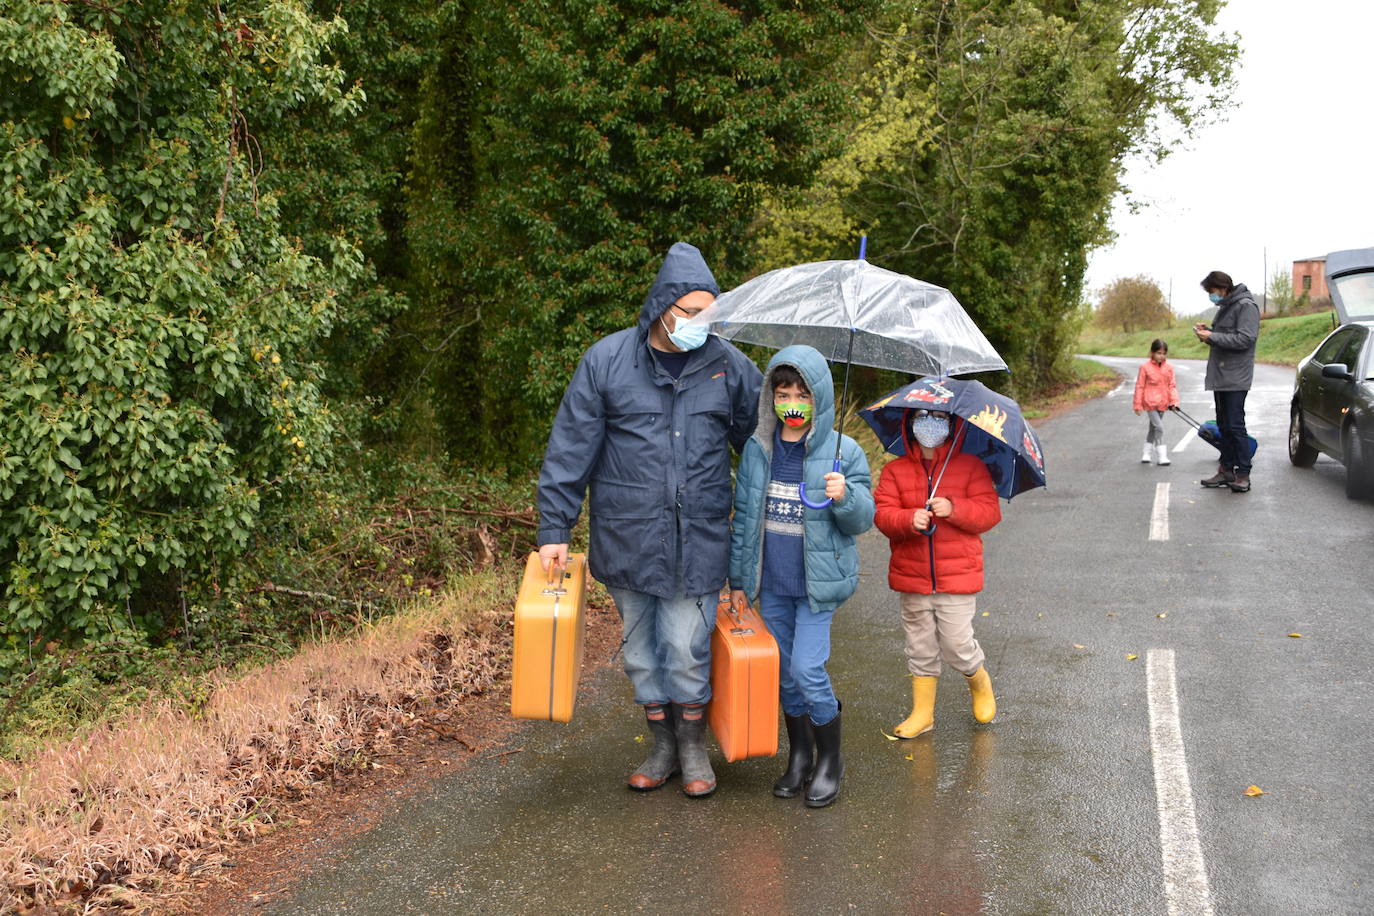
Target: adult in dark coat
x,y
646,423
1230,370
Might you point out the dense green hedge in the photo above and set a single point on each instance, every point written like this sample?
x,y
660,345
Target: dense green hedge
x,y
157,325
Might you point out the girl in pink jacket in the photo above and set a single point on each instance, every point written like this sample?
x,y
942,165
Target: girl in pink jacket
x,y
1155,392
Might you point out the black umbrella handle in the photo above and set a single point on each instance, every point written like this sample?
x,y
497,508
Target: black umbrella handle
x,y
930,530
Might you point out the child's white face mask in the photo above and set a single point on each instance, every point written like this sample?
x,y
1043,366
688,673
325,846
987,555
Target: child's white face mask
x,y
931,432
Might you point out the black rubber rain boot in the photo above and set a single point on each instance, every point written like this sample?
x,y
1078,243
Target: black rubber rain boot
x,y
661,764
824,787
698,779
801,757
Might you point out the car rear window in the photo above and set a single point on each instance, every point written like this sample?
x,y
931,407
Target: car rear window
x,y
1357,293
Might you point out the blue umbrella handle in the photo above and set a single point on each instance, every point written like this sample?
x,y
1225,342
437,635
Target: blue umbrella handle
x,y
801,489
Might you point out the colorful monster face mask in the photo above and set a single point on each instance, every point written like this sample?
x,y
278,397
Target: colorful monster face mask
x,y
794,413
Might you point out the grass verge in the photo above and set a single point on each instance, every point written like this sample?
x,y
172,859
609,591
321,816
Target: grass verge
x,y
94,821
1282,341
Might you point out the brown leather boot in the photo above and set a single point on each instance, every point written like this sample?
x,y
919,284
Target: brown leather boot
x,y
661,764
1222,478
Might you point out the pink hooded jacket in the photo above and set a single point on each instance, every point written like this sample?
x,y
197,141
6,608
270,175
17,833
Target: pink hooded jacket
x,y
1154,386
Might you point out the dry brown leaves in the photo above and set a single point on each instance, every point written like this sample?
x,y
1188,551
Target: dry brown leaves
x,y
87,823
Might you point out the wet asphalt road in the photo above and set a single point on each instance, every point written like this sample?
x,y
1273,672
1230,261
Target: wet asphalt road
x,y
1050,809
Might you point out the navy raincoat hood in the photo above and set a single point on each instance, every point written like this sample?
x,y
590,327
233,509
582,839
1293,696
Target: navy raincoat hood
x,y
684,271
652,451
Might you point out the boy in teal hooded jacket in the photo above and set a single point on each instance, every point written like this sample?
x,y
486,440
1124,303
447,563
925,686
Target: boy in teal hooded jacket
x,y
801,563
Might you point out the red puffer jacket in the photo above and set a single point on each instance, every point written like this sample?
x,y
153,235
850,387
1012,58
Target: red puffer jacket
x,y
951,560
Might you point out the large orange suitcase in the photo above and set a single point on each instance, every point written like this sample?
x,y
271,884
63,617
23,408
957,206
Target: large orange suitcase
x,y
744,683
550,618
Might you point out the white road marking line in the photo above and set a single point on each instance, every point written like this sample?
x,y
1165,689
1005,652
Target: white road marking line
x,y
1186,890
1189,437
1159,516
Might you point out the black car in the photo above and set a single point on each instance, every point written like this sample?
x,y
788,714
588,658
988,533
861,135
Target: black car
x,y
1333,399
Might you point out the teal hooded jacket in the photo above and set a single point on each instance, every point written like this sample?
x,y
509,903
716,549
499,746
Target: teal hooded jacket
x,y
832,556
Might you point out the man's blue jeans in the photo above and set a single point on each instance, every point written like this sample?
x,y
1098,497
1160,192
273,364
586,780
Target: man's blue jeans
x,y
1235,445
803,647
667,645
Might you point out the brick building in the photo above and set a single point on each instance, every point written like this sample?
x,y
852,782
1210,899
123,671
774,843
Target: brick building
x,y
1309,276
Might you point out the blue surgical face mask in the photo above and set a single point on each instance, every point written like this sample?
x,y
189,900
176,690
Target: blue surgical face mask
x,y
931,432
1215,297
686,334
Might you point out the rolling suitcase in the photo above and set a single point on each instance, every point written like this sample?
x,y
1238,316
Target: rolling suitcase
x,y
743,714
550,619
1209,433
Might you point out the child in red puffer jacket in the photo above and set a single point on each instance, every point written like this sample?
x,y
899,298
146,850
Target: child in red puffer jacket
x,y
934,507
1155,392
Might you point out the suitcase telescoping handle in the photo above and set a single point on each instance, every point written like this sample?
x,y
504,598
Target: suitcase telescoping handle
x,y
1191,422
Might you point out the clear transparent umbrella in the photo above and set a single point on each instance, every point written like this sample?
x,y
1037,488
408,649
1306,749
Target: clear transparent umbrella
x,y
855,312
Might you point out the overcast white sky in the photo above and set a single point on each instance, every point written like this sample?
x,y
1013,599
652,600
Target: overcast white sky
x,y
1291,169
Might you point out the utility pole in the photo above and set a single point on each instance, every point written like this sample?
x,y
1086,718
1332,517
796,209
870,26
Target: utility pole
x,y
1266,279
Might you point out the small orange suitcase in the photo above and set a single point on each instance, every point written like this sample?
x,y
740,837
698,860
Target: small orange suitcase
x,y
550,618
744,683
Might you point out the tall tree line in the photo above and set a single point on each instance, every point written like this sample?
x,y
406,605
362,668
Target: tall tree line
x,y
233,232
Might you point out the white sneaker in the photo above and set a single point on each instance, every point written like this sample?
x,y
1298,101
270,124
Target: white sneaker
x,y
1148,454
1163,454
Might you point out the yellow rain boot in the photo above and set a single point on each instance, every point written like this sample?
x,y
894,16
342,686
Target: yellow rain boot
x,y
984,704
922,718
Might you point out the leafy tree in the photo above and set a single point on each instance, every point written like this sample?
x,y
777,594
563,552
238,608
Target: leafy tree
x,y
1036,104
1133,304
604,131
890,120
437,354
157,324
349,178
1281,291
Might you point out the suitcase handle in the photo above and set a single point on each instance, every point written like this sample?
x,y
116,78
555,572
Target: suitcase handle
x,y
734,609
553,585
736,612
1189,420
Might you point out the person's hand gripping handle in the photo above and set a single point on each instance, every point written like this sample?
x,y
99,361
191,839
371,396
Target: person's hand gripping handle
x,y
553,556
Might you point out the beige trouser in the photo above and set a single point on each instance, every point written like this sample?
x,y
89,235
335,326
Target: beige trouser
x,y
939,625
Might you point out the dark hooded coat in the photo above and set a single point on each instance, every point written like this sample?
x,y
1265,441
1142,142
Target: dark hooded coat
x,y
1235,330
652,450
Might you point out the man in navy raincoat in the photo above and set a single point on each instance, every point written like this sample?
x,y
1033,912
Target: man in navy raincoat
x,y
646,423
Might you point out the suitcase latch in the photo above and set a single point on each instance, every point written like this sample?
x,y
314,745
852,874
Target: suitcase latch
x,y
554,591
741,631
